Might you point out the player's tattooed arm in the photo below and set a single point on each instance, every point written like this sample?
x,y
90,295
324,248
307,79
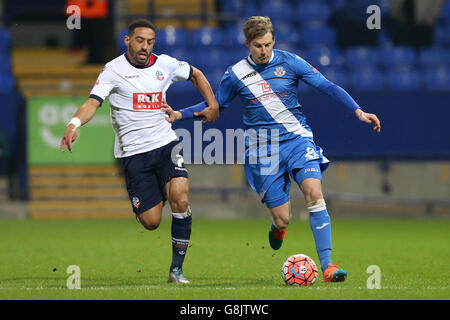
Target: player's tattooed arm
x,y
369,118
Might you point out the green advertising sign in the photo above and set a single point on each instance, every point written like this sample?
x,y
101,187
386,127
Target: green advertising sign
x,y
47,121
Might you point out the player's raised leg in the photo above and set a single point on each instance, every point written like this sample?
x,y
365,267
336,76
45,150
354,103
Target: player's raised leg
x,y
177,190
320,224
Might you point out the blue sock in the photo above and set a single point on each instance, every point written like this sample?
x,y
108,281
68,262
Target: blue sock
x,y
181,234
320,224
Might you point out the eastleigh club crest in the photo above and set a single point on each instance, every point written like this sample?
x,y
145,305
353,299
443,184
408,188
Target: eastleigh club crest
x,y
279,71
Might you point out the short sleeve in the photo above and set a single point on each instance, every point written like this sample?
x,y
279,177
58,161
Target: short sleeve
x,y
104,85
181,70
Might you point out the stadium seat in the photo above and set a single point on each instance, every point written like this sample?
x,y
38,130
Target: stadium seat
x,y
313,11
438,79
323,57
403,80
232,6
5,63
384,39
171,36
337,76
284,32
317,35
215,58
121,47
434,57
287,46
207,37
234,35
445,12
6,83
5,40
361,57
366,80
238,54
214,76
278,10
398,57
442,35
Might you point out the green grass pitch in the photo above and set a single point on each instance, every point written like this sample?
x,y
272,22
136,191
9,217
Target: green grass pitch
x,y
228,259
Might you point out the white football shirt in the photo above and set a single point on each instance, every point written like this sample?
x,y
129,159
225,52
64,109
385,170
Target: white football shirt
x,y
135,94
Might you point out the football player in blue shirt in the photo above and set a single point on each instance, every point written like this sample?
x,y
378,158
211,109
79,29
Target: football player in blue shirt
x,y
266,82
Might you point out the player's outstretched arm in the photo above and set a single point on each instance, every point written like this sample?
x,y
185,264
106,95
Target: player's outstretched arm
x,y
211,112
369,118
85,113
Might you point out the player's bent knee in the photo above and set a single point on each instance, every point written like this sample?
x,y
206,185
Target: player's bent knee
x,y
150,219
149,225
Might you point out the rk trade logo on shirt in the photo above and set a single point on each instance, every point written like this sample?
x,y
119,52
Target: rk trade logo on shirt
x,y
147,101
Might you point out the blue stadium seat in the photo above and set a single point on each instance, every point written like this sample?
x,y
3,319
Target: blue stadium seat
x,y
366,80
438,79
317,35
179,53
398,57
6,83
238,54
121,47
362,57
337,76
403,80
384,39
323,57
5,63
442,35
234,36
445,12
171,36
313,11
214,58
232,6
287,46
207,37
278,10
284,32
214,76
5,40
434,57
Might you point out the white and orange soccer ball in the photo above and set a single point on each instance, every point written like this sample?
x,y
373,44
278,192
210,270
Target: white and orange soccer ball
x,y
299,270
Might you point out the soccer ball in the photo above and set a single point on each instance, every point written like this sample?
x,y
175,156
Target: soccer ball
x,y
299,270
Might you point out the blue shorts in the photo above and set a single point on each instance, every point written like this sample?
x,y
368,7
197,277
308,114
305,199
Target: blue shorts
x,y
147,173
298,158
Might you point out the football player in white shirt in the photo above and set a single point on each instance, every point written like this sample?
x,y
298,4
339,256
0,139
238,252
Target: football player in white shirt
x,y
136,83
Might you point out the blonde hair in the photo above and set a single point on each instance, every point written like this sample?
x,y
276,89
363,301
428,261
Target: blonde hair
x,y
256,27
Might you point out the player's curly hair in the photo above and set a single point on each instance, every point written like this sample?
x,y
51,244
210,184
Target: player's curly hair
x,y
256,27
